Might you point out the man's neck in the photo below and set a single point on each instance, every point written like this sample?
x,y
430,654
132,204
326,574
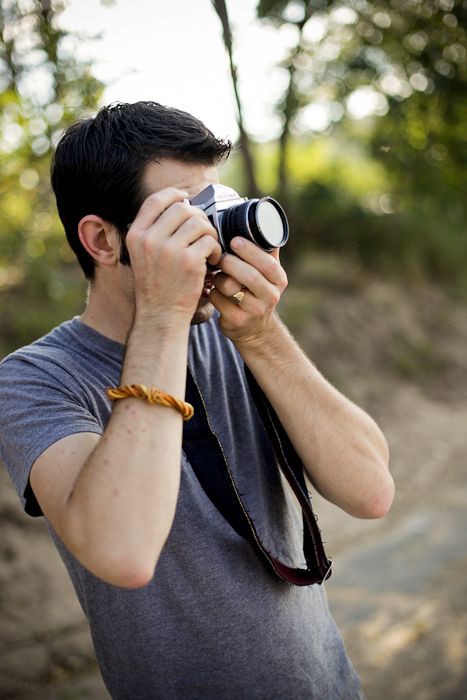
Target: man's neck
x,y
108,312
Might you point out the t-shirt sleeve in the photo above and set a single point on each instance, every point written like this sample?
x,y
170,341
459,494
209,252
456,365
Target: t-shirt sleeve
x,y
37,408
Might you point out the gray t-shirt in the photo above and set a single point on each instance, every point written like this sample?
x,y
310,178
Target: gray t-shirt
x,y
214,623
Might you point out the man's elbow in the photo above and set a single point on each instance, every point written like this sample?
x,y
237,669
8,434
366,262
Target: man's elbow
x,y
381,496
379,503
132,577
127,572
126,564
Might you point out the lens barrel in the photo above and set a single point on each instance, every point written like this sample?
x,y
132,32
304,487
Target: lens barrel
x,y
263,221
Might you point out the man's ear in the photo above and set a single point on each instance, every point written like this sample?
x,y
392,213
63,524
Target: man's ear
x,y
100,239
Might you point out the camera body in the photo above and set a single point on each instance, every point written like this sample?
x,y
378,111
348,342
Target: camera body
x,y
262,221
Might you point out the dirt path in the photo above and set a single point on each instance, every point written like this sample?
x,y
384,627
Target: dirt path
x,y
398,589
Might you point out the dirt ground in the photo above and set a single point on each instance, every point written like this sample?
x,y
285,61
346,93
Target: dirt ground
x,y
399,589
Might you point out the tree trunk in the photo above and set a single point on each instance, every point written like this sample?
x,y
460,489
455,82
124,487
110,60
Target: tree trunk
x,y
7,51
291,104
245,146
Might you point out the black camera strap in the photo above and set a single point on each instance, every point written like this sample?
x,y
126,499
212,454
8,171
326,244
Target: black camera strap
x,y
208,460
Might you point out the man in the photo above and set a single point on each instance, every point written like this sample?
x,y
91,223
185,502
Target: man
x,y
179,602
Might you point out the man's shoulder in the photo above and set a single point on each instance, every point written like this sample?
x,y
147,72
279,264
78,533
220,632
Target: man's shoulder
x,y
71,344
45,348
70,367
38,346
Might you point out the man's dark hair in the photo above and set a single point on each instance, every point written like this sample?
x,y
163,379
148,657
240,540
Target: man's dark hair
x,y
99,163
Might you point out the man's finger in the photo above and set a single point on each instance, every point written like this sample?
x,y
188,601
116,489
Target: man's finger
x,y
264,262
190,230
154,205
181,216
227,285
208,248
250,277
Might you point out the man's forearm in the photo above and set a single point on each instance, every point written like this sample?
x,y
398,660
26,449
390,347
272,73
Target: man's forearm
x,y
124,499
342,448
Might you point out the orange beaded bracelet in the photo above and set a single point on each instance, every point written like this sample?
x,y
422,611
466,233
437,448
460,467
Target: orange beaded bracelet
x,y
152,396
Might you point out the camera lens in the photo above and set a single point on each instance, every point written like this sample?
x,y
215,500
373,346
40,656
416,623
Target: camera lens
x,y
263,221
271,222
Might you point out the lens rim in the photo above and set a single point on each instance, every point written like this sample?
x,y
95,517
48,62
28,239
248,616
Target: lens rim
x,y
241,220
265,244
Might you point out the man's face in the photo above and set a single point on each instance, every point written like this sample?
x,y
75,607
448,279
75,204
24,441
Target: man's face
x,y
192,179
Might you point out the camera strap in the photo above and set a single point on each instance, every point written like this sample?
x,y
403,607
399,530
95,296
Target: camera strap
x,y
209,462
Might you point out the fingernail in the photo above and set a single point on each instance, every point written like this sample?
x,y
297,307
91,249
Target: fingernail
x,y
236,243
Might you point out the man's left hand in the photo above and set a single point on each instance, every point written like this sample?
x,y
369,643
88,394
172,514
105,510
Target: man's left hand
x,y
261,278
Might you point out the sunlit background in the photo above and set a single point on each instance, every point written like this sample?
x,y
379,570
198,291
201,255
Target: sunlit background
x,y
177,57
353,114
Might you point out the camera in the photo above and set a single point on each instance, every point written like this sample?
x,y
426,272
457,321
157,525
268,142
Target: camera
x,y
262,221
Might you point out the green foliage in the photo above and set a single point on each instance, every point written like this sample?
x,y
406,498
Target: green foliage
x,y
44,89
387,80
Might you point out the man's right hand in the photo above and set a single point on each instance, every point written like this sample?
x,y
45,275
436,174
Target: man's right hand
x,y
169,243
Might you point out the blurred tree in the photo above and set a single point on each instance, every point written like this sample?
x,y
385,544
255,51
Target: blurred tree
x,y
391,74
220,7
44,86
402,59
